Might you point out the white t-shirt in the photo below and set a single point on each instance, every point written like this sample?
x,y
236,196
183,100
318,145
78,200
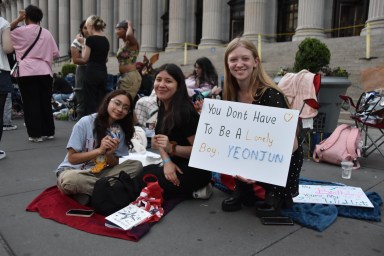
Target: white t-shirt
x,y
4,64
82,140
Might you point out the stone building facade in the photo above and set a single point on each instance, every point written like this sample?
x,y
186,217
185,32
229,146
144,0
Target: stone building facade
x,y
168,24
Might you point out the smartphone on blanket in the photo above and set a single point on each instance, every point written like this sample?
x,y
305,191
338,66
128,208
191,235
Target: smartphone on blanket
x,y
80,212
276,220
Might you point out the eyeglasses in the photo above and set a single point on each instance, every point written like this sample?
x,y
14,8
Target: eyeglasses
x,y
119,104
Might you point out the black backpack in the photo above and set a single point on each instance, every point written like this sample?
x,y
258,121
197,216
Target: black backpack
x,y
111,194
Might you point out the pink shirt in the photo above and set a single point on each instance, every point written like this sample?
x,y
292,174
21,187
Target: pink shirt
x,y
39,59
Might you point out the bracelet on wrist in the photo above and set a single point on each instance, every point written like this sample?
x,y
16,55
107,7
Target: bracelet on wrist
x,y
166,160
173,149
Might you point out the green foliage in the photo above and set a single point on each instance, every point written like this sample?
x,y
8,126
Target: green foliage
x,y
327,71
67,69
312,55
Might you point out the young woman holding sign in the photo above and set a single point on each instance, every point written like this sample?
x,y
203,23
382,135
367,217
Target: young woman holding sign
x,y
246,81
175,130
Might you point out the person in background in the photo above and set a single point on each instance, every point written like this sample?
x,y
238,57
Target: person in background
x,y
8,108
76,51
175,132
35,73
5,78
126,55
7,118
203,78
246,81
62,90
95,54
96,143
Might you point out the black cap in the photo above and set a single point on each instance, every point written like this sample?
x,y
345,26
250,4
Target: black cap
x,y
122,24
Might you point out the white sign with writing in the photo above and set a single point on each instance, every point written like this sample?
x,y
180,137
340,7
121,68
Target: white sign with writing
x,y
339,195
249,140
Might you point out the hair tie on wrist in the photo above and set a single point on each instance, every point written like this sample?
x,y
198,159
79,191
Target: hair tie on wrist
x,y
166,160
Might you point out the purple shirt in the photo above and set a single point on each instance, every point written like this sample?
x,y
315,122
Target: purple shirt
x,y
39,59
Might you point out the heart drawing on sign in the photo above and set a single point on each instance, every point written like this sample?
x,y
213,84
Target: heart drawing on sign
x,y
288,117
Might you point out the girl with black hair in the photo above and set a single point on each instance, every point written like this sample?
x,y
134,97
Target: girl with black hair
x,y
96,143
175,133
203,78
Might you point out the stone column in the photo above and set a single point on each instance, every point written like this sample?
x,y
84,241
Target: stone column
x,y
125,12
8,12
106,13
75,18
26,3
255,19
64,39
34,2
43,4
136,20
89,8
53,19
148,26
19,6
14,11
160,25
310,21
211,34
177,14
375,18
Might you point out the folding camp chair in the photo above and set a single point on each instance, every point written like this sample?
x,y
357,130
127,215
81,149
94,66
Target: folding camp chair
x,y
373,132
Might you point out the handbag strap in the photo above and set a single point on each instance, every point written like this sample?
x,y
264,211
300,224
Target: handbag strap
x,y
30,47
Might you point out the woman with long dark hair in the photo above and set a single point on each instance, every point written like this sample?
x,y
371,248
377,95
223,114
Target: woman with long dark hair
x,y
175,133
203,78
96,143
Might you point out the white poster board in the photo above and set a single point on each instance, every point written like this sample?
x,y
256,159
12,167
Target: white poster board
x,y
339,195
249,140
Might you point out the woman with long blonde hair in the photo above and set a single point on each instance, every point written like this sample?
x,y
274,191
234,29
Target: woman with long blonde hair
x,y
246,81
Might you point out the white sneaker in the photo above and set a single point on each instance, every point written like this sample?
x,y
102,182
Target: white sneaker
x,y
203,193
2,154
48,137
37,139
9,127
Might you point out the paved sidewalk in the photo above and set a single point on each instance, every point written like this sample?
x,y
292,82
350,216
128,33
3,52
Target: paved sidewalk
x,y
194,227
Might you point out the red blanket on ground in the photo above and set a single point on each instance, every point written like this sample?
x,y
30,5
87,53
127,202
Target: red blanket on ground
x,y
51,204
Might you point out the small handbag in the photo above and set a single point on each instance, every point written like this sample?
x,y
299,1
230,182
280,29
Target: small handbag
x,y
111,194
15,68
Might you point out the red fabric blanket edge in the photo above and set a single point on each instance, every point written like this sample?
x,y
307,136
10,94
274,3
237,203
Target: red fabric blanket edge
x,y
52,204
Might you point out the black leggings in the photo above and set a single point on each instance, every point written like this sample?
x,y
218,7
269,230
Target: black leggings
x,y
192,179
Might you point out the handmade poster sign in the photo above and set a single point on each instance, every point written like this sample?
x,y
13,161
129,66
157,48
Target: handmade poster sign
x,y
338,195
243,139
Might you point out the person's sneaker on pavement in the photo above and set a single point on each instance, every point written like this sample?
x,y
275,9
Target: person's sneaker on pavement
x,y
2,154
9,127
48,137
37,139
204,192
